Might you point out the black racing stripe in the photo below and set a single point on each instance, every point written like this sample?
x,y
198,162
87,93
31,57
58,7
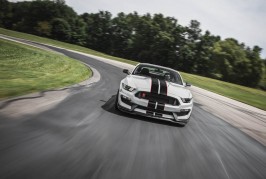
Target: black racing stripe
x,y
160,106
151,104
154,89
163,87
154,85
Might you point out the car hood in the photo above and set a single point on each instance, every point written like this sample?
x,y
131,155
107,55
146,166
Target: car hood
x,y
142,83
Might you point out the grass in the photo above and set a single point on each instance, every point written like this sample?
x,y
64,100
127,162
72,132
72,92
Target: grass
x,y
61,44
246,95
25,69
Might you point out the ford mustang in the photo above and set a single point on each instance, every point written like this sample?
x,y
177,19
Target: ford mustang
x,y
157,92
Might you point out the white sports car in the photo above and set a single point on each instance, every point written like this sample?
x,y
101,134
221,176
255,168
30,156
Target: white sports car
x,y
157,92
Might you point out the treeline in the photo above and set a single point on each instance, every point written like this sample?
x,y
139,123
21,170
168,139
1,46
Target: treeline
x,y
145,38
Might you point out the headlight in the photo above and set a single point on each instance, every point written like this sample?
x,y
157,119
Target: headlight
x,y
186,100
128,88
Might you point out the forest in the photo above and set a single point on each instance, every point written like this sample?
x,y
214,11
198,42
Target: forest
x,y
151,38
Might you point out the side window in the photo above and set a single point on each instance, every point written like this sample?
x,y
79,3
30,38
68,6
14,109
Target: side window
x,y
137,70
178,79
175,78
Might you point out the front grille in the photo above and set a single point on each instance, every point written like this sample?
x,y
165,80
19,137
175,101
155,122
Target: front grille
x,y
154,110
157,98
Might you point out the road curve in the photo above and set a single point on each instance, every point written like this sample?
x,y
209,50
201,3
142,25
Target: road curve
x,y
84,137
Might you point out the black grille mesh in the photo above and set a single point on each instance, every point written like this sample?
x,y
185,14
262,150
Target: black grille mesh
x,y
158,98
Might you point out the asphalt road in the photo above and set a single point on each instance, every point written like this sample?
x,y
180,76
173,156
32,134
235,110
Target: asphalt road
x,y
84,137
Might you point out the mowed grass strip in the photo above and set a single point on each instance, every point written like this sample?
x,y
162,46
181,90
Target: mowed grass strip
x,y
246,95
25,69
62,45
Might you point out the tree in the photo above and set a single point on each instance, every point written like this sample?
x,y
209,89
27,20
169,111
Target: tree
x,y
98,30
35,17
256,66
188,47
121,35
204,64
237,64
78,35
5,14
43,28
60,29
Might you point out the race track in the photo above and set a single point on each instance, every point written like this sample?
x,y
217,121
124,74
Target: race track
x,y
85,137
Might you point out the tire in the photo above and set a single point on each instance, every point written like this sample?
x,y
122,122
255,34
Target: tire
x,y
116,101
182,125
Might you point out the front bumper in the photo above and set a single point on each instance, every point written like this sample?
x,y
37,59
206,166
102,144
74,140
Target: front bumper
x,y
128,102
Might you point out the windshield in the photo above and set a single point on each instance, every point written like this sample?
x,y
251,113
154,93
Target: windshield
x,y
158,72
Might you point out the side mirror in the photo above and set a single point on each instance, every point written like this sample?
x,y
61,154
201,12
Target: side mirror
x,y
126,71
187,84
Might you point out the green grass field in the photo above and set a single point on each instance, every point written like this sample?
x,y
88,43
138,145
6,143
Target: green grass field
x,y
244,94
247,95
61,44
25,69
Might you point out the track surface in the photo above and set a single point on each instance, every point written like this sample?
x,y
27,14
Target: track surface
x,y
84,137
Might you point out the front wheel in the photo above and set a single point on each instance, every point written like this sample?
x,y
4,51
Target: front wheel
x,y
116,101
182,125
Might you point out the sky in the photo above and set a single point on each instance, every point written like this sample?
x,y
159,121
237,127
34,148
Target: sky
x,y
244,20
